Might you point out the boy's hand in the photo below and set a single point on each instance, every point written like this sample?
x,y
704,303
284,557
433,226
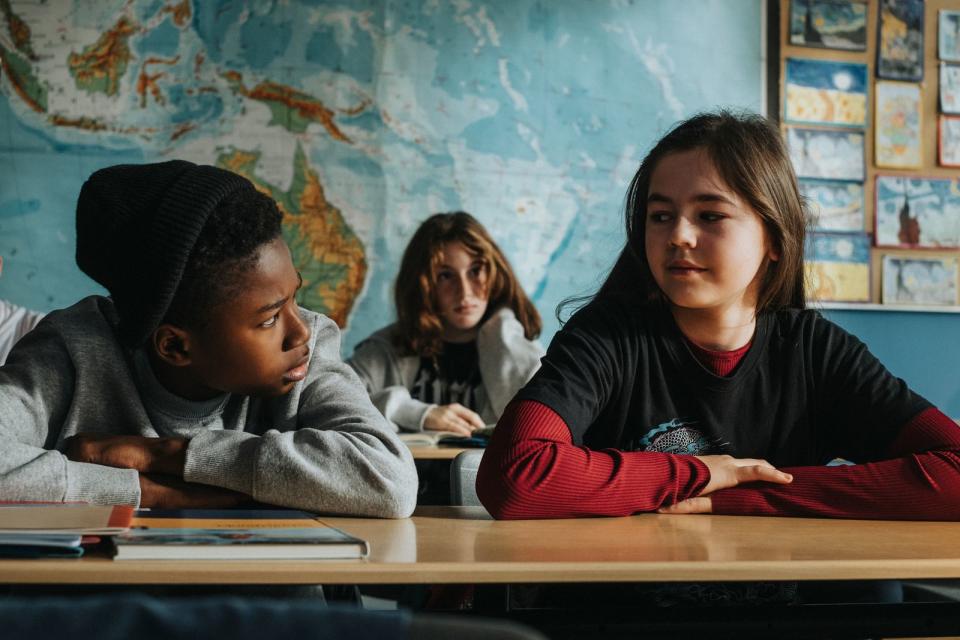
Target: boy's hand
x,y
146,455
454,417
158,491
725,472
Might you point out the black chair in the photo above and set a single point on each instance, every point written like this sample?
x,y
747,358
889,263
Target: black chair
x,y
125,616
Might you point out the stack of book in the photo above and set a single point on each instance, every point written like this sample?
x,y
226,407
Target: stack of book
x,y
245,534
39,530
42,529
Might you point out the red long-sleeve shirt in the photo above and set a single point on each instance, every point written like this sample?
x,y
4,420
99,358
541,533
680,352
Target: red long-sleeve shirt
x,y
532,469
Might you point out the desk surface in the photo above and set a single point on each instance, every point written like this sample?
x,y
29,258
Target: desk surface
x,y
463,545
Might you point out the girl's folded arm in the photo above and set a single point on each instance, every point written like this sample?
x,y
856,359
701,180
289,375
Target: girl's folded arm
x,y
532,469
921,481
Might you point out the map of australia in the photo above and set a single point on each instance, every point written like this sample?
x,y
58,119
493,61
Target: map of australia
x,y
361,119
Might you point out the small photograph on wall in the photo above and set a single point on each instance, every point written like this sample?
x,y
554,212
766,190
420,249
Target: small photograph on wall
x,y
829,154
949,141
833,205
949,35
950,88
831,24
838,267
919,280
900,40
918,212
823,92
898,139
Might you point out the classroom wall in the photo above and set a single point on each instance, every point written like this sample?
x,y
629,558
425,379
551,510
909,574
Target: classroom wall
x,y
922,347
364,117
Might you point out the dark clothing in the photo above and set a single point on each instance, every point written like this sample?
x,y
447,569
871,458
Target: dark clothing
x,y
452,376
622,376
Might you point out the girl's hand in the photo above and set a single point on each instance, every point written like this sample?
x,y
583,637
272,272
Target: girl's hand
x,y
454,417
725,472
702,504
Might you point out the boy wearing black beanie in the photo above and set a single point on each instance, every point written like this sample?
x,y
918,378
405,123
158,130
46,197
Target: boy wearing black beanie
x,y
199,382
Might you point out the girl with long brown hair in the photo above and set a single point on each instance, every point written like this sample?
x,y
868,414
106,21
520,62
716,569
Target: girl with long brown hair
x,y
465,337
696,382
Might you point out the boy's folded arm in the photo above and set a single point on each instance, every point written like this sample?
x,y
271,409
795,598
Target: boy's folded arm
x,y
532,469
921,483
36,386
342,457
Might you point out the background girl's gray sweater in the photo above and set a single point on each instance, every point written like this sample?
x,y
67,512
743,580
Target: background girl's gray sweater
x,y
507,361
322,447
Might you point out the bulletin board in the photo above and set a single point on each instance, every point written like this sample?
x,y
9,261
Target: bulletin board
x,y
901,249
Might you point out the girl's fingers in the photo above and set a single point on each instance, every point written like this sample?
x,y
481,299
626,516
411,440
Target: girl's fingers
x,y
459,427
752,462
690,505
763,473
472,420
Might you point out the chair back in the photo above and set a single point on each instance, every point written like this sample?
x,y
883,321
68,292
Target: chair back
x,y
463,478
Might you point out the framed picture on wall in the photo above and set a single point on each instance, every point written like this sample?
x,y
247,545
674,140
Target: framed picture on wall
x,y
831,24
838,267
833,205
919,280
950,88
830,154
900,40
918,212
898,140
949,141
948,33
825,92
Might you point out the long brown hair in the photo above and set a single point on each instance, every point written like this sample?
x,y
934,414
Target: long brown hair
x,y
749,154
419,327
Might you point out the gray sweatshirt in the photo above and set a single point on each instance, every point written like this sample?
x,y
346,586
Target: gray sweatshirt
x,y
322,447
507,362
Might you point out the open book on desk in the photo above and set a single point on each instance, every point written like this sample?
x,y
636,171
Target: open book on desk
x,y
478,438
234,534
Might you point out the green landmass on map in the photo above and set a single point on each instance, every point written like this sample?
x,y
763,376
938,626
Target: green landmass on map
x,y
19,30
99,67
329,255
290,108
24,82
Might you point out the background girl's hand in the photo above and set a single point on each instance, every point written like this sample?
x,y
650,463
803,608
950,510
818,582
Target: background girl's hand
x,y
727,471
454,417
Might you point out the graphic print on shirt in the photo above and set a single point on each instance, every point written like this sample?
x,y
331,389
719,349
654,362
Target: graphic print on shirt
x,y
454,376
676,436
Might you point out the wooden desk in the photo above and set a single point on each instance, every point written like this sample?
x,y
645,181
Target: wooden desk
x,y
463,545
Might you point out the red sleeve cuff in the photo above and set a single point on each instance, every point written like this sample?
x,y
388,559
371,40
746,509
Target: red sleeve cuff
x,y
532,469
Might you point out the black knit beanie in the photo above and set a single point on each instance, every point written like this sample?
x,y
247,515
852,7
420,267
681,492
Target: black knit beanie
x,y
136,227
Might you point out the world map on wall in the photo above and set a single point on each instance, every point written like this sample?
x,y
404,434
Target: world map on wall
x,y
360,118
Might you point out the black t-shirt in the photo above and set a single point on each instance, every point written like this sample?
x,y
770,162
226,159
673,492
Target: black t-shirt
x,y
453,376
621,376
